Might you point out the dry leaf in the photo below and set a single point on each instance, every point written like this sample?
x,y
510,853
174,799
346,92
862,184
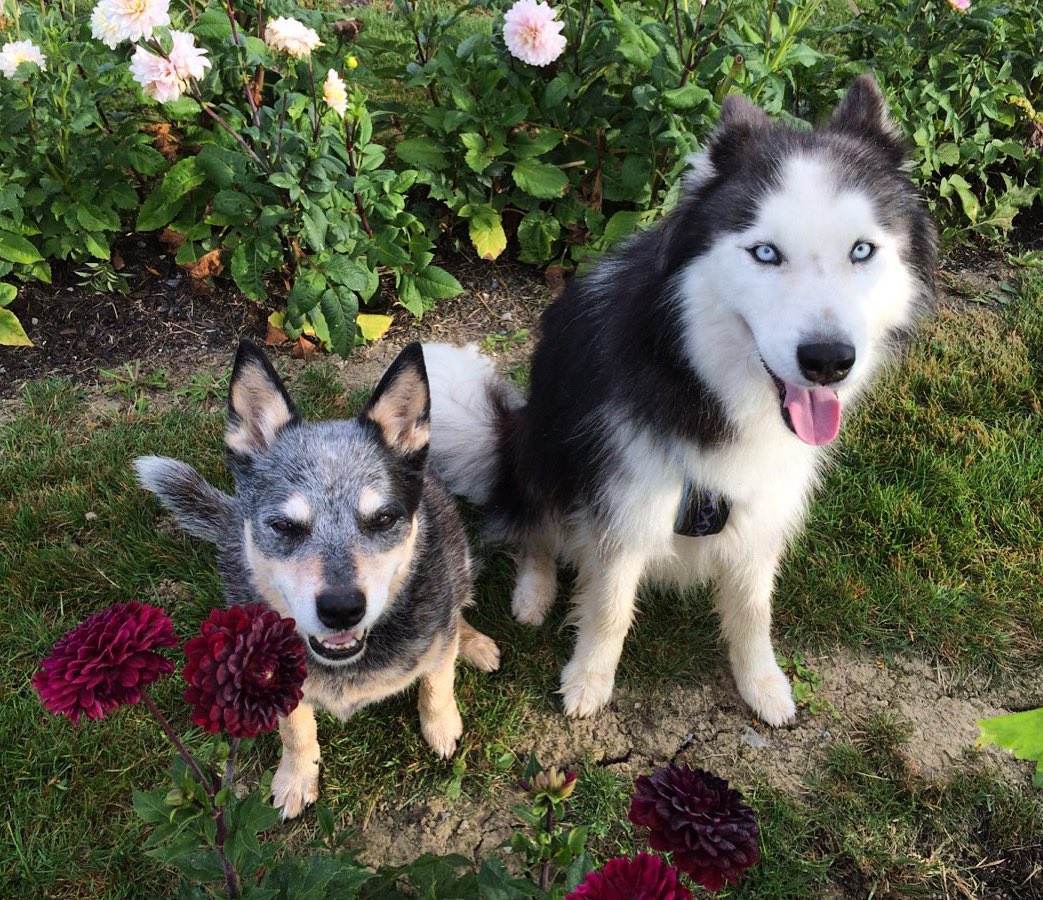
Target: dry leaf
x,y
348,29
303,349
555,279
172,239
164,139
207,266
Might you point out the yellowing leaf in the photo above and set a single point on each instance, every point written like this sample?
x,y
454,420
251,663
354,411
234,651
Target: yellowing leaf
x,y
372,326
11,332
487,233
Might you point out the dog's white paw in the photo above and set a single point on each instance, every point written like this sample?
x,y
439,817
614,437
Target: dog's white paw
x,y
295,786
443,731
533,596
769,695
481,651
584,693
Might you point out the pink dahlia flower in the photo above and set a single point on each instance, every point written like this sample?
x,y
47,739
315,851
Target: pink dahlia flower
x,y
106,662
166,78
645,877
960,5
532,33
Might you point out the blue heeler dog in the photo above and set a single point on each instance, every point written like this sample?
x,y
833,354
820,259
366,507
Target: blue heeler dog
x,y
339,525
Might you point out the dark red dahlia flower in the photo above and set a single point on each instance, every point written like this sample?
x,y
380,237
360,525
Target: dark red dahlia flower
x,y
711,833
645,877
244,670
106,661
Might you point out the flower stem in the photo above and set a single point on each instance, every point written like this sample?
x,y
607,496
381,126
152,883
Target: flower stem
x,y
314,101
349,143
232,22
230,765
545,869
205,782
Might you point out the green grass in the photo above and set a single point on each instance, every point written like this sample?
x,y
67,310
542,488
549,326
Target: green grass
x,y
927,538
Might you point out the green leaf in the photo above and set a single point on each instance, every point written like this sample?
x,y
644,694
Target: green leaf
x,y
687,97
537,233
94,219
151,807
487,233
1021,733
97,246
339,308
144,159
315,227
424,152
620,226
234,205
166,200
182,109
540,180
11,332
306,292
480,152
437,284
248,264
7,293
17,249
526,146
958,184
948,154
350,273
223,167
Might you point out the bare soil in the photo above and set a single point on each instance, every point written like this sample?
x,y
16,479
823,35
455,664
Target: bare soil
x,y
710,727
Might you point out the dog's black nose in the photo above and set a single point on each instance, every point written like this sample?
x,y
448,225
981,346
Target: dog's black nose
x,y
341,609
825,363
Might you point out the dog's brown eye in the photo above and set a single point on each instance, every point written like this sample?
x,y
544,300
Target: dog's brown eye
x,y
384,520
282,526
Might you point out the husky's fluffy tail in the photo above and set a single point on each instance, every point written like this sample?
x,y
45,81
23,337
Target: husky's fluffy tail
x,y
469,409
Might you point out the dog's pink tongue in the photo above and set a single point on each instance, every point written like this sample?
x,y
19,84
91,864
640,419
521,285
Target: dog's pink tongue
x,y
815,413
341,637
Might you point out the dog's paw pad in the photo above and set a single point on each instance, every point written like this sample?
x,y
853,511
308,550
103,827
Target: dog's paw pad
x,y
770,697
481,652
584,693
443,732
294,788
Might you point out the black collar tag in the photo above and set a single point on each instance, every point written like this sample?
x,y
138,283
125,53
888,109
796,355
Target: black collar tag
x,y
701,512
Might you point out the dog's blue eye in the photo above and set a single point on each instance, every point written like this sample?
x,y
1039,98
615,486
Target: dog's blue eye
x,y
766,253
862,251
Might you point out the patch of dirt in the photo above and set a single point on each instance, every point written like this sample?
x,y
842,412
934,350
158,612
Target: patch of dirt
x,y
710,727
166,325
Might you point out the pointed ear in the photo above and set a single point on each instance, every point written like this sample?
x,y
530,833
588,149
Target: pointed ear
x,y
258,405
401,404
200,508
738,112
738,122
863,114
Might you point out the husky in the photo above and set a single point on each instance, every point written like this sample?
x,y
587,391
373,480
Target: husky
x,y
340,526
685,390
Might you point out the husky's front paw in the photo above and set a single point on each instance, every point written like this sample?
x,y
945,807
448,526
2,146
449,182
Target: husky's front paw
x,y
584,693
443,731
295,786
769,695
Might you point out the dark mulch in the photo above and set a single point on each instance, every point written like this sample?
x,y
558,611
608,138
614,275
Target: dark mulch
x,y
167,325
76,332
